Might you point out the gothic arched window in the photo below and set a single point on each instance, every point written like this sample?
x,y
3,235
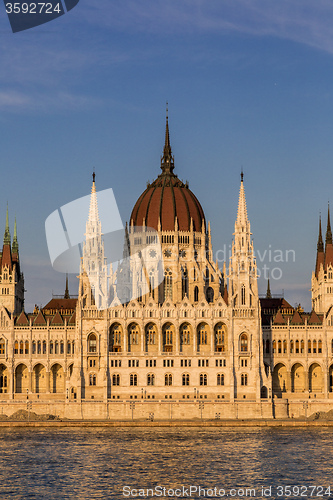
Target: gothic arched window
x,y
243,295
243,343
92,343
168,284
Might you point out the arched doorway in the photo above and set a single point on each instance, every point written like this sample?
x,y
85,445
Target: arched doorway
x,y
39,379
264,392
21,379
279,379
186,341
57,382
4,379
168,337
297,378
316,378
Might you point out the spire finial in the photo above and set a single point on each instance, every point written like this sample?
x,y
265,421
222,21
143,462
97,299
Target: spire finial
x,y
167,163
6,238
242,210
268,293
328,230
15,242
94,175
320,244
66,296
242,175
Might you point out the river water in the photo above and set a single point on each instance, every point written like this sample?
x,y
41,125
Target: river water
x,y
125,463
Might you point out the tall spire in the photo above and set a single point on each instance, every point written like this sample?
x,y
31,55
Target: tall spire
x,y
93,209
66,296
6,238
328,230
167,161
320,244
242,210
320,250
15,242
268,293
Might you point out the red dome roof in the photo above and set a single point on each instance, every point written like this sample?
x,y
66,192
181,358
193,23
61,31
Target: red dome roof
x,y
167,198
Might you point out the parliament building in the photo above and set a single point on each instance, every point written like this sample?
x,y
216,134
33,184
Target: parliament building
x,y
198,342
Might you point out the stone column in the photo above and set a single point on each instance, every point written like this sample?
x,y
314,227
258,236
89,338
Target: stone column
x,y
176,338
47,381
195,340
288,381
11,381
125,341
30,380
326,381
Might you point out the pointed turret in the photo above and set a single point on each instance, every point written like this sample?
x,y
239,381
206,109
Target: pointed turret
x,y
242,210
243,287
320,260
167,161
93,264
6,249
268,293
6,237
328,230
93,209
328,242
66,296
15,248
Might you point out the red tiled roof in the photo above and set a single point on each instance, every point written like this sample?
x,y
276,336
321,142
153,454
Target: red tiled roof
x,y
40,320
59,304
296,319
72,320
279,319
22,320
57,319
278,303
314,319
6,256
165,199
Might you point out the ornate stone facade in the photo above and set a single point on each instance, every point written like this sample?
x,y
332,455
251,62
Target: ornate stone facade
x,y
200,333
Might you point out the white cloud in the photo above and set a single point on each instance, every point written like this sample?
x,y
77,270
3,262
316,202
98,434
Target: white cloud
x,y
303,21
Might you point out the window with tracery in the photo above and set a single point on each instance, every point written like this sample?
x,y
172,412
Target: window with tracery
x,y
243,343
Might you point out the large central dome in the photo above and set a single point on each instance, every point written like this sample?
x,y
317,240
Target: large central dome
x,y
168,198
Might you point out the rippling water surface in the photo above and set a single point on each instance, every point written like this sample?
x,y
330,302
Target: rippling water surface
x,y
98,463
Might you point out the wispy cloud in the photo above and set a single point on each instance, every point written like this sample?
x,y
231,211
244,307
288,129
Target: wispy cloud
x,y
303,21
11,100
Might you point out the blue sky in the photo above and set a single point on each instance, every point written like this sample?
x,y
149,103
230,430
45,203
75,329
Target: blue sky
x,y
249,84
